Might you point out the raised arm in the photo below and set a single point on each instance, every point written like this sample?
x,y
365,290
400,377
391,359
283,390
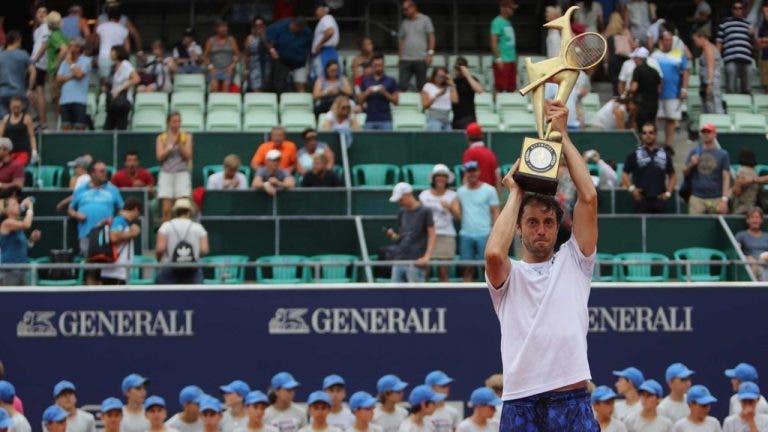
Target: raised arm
x,y
497,264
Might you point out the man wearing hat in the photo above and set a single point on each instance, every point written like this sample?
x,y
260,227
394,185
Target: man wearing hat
x,y
64,395
11,172
7,394
188,420
747,419
54,419
674,406
111,414
415,235
709,170
648,419
700,402
445,418
181,240
628,67
603,404
743,372
271,178
627,385
486,160
235,416
340,415
653,178
479,210
74,75
644,88
134,387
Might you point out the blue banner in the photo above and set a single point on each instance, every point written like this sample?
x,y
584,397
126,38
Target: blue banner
x,y
209,337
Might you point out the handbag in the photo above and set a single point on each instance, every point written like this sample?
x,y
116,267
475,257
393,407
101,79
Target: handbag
x,y
119,103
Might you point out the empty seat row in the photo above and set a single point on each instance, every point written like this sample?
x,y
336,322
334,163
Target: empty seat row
x,y
654,267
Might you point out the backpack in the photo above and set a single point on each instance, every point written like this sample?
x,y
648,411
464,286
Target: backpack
x,y
183,252
100,247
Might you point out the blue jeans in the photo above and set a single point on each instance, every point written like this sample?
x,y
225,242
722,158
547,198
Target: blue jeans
x,y
550,412
408,273
378,125
438,125
472,247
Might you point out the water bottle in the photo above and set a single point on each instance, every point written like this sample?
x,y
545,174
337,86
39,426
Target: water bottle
x,y
23,207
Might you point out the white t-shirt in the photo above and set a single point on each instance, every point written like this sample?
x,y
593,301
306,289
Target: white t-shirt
x,y
110,34
122,75
216,181
329,428
372,427
673,410
554,40
534,319
290,420
628,67
81,180
389,422
343,419
735,405
264,428
409,426
229,423
604,117
20,424
445,419
442,217
336,124
175,230
180,425
134,422
710,424
636,423
467,425
40,36
734,423
615,425
443,102
621,410
83,421
325,23
126,256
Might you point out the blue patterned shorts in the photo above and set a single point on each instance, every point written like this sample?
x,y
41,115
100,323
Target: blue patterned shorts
x,y
567,411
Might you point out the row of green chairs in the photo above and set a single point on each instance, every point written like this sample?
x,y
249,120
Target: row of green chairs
x,y
53,176
612,268
383,175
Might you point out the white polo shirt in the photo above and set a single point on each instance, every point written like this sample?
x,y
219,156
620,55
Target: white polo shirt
x,y
673,410
710,424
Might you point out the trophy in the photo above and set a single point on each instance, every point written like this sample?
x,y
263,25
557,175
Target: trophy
x,y
540,156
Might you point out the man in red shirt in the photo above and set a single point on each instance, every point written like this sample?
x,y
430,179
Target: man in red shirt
x,y
11,172
486,159
132,175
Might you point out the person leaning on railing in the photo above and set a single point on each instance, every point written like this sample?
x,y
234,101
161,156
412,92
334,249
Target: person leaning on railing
x,y
13,241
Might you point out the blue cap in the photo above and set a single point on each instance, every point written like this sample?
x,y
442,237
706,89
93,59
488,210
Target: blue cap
x,y
284,380
390,383
748,391
7,392
742,372
61,387
132,381
54,414
653,387
111,403
361,399
602,394
437,377
632,374
255,397
236,386
484,396
677,370
318,396
470,165
699,394
424,393
332,380
5,420
154,401
210,403
190,394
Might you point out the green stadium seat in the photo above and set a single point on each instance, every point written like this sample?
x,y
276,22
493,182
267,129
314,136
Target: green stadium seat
x,y
408,102
694,82
486,62
188,101
408,121
210,169
489,121
518,121
136,274
594,169
375,175
297,121
148,120
391,60
342,272
185,82
48,176
291,273
154,170
260,102
417,174
484,103
693,105
223,121
760,103
738,103
701,272
761,169
192,121
721,121
511,101
155,100
605,269
259,121
642,272
78,280
296,101
222,102
746,122
505,169
439,60
91,106
591,102
231,273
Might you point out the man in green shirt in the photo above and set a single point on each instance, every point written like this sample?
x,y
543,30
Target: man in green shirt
x,y
57,44
504,48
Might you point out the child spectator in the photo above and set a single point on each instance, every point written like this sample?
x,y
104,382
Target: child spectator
x,y
122,234
111,414
445,418
629,380
256,404
135,391
77,419
319,404
603,399
673,406
188,420
210,410
648,419
340,415
743,372
484,402
230,177
422,400
283,414
700,401
312,147
747,418
154,409
362,405
235,416
389,415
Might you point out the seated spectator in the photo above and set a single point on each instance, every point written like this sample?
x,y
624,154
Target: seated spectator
x,y
188,54
230,178
312,147
132,175
173,149
73,75
415,236
754,243
320,175
258,63
11,172
329,86
608,178
17,126
157,75
467,86
437,95
13,240
181,240
364,56
341,119
746,186
120,96
287,149
271,178
611,116
485,157
122,233
221,54
377,91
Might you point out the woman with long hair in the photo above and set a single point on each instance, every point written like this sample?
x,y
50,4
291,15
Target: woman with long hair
x,y
120,96
328,87
340,117
258,65
18,127
173,149
437,97
221,54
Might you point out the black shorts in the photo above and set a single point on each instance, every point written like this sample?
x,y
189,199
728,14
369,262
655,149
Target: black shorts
x,y
40,77
73,114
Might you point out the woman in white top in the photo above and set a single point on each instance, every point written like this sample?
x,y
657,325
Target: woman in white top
x,y
40,60
340,117
437,97
445,207
120,97
590,15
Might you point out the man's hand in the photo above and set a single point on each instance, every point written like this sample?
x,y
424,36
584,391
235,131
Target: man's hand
x,y
722,207
138,183
637,194
557,115
274,181
694,160
269,189
273,53
428,59
34,236
423,261
134,230
510,182
464,71
391,234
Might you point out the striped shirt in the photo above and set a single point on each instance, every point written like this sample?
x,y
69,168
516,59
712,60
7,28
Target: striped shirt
x,y
735,35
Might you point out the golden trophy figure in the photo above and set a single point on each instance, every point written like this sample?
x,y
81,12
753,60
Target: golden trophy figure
x,y
540,156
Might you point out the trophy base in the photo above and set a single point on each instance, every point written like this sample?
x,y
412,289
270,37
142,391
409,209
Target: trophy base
x,y
536,184
538,166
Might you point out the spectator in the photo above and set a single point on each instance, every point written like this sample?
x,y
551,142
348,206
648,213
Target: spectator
x,y
7,395
122,233
422,400
340,415
700,401
415,236
312,147
709,170
319,404
54,420
40,60
78,420
221,54
11,172
188,420
56,50
181,240
674,85
210,410
258,63
271,178
283,413
18,127
120,96
290,41
230,177
377,91
364,56
156,414
362,405
256,404
479,210
133,175
484,402
701,19
17,404
762,44
495,382
504,48
73,75
329,86
17,74
320,175
123,20
174,150
287,149
79,168
710,64
628,68
589,15
444,205
746,186
416,46
747,397
638,15
437,96
235,416
645,88
554,38
743,373
620,44
653,174
110,34
628,383
445,418
325,40
678,378
754,243
603,400
649,418
485,158
611,116
340,118
735,37
388,415
188,54
74,25
134,387
607,178
112,414
159,71
13,241
467,86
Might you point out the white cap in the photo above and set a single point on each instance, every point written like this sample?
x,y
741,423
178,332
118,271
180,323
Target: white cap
x,y
399,190
182,204
441,169
641,52
273,154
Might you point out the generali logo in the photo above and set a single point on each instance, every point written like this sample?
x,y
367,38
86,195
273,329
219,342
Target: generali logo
x,y
302,321
98,323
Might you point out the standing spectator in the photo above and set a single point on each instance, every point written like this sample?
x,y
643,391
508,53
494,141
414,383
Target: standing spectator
x,y
746,186
56,50
445,207
653,174
54,420
377,91
311,148
710,64
589,15
701,19
678,378
17,74
743,373
437,97
175,238
134,387
78,420
504,48
762,44
628,68
18,127
603,404
160,71
7,395
674,85
620,44
111,414
709,168
638,15
123,20
700,401
221,54
258,63
645,88
554,38
611,116
328,86
649,418
486,160
287,149
748,418
110,34
416,46
283,413
234,395
188,54
13,241
11,172
122,233
133,175
484,402
173,149
362,405
120,96
74,25
291,42
754,243
73,75
340,118
325,40
40,60
230,177
188,420
628,383
734,40
415,236
467,86
388,415
364,56
320,175
271,178
479,210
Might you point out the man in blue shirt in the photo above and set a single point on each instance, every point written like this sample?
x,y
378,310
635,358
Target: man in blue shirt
x,y
377,91
479,210
73,75
14,67
674,84
709,168
291,42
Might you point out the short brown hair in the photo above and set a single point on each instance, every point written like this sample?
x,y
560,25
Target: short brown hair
x,y
547,200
